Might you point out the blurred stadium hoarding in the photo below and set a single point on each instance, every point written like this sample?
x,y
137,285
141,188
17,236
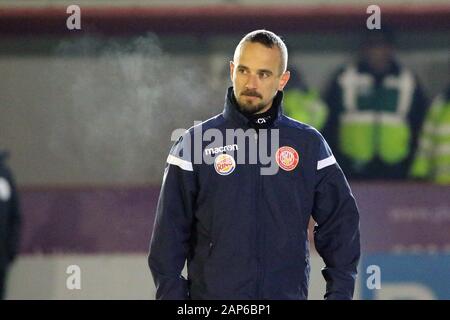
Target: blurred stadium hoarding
x,y
222,18
405,235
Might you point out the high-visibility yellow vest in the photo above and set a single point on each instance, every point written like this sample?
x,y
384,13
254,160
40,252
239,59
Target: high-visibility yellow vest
x,y
305,106
374,121
432,159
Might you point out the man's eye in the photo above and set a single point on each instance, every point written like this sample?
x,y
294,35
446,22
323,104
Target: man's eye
x,y
264,75
241,71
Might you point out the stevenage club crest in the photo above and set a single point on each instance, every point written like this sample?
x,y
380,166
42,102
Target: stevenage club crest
x,y
287,158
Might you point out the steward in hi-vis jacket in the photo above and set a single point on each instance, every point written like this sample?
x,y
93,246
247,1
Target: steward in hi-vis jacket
x,y
303,103
432,161
376,108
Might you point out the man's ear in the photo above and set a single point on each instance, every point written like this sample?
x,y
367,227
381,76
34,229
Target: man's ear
x,y
284,80
231,70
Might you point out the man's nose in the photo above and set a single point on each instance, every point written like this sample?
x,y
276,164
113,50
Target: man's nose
x,y
252,81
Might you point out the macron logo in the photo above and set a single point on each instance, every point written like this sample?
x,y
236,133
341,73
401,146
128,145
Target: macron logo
x,y
230,147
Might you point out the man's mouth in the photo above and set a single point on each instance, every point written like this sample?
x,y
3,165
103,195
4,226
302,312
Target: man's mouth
x,y
253,95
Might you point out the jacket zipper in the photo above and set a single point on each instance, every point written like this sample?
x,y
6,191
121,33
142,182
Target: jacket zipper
x,y
259,224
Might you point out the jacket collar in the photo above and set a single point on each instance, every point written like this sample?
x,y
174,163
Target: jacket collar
x,y
232,113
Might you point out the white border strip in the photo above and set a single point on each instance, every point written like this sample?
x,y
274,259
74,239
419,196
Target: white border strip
x,y
326,162
183,164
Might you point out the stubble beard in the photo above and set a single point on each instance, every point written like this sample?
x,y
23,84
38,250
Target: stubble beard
x,y
249,108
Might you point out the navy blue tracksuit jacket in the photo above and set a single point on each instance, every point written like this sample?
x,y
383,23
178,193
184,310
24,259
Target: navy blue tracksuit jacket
x,y
244,235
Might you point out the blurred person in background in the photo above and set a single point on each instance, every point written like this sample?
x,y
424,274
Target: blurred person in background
x,y
10,221
432,161
303,103
376,109
243,233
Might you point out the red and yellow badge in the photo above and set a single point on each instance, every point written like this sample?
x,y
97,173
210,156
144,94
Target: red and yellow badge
x,y
287,158
224,164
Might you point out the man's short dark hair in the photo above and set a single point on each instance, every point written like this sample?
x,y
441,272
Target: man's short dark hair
x,y
269,40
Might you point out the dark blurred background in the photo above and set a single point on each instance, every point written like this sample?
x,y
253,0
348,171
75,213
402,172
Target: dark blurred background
x,y
87,116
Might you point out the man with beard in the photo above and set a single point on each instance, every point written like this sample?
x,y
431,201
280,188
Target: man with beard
x,y
242,233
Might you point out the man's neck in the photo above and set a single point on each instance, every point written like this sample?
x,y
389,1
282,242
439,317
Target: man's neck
x,y
265,109
263,119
